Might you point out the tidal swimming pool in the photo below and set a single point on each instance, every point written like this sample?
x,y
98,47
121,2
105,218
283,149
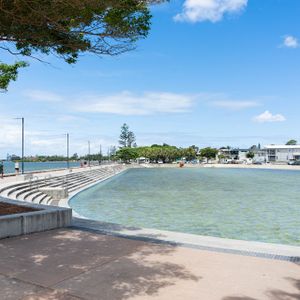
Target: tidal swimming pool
x,y
246,204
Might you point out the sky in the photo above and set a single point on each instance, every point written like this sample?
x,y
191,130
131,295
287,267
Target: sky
x,y
210,73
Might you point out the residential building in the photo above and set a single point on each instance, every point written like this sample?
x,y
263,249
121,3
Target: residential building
x,y
234,154
282,153
260,155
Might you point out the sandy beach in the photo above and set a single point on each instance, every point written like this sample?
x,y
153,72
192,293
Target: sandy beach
x,y
230,166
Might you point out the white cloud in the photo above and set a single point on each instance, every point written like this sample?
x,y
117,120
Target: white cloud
x,y
290,42
235,105
127,103
209,10
269,117
10,132
43,96
10,135
69,118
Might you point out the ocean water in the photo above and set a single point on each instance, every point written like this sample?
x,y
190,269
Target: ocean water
x,y
9,167
247,204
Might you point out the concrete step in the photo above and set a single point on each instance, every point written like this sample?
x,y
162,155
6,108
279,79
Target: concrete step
x,y
28,191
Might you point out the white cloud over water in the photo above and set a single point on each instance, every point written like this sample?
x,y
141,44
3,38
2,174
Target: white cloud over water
x,y
127,103
209,10
269,117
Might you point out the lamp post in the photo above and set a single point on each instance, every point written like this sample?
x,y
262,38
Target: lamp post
x,y
100,154
23,141
68,152
89,155
108,153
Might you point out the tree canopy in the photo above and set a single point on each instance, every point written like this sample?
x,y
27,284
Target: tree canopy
x,y
9,73
127,137
67,28
126,154
166,153
291,142
250,155
155,153
208,153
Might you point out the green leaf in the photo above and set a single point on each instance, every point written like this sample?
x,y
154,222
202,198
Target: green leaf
x,y
9,73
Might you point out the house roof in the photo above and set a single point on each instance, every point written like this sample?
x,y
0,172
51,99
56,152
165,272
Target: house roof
x,y
282,146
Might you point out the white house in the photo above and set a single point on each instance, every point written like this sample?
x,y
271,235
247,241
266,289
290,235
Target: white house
x,y
260,155
234,154
282,153
143,160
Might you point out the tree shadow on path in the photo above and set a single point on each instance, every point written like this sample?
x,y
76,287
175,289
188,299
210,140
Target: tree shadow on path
x,y
91,265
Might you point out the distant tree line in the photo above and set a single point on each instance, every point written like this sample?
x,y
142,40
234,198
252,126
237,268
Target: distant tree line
x,y
165,153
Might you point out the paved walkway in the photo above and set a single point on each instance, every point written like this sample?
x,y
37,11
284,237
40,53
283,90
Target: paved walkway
x,y
74,264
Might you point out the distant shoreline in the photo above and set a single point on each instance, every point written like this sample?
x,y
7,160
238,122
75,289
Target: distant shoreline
x,y
231,166
38,167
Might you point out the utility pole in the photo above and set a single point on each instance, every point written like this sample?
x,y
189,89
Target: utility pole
x,y
23,143
108,154
100,154
68,151
89,149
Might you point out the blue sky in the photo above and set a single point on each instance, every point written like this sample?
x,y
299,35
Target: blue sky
x,y
211,73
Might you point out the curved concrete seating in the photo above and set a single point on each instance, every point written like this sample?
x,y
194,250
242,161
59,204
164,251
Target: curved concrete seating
x,y
29,191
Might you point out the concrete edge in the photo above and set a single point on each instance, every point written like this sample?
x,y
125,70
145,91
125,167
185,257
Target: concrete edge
x,y
46,218
240,247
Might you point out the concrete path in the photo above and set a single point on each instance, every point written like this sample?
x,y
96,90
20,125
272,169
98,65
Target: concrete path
x,y
74,264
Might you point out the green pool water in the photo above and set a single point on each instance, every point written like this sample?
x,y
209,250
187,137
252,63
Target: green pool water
x,y
258,205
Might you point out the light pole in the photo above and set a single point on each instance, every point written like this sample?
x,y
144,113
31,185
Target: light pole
x,y
68,152
23,141
100,154
89,148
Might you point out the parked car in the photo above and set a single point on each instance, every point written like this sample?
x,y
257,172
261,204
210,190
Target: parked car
x,y
194,161
257,163
294,162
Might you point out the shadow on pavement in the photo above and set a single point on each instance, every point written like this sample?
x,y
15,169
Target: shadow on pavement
x,y
275,294
90,265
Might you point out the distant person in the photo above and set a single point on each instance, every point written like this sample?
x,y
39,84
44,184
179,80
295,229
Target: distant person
x,y
17,167
1,169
